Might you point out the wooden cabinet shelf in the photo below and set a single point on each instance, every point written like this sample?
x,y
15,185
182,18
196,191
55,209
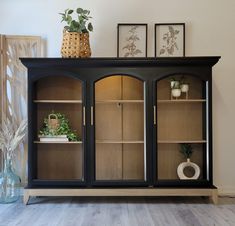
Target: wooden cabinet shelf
x,y
181,141
118,101
119,141
58,101
181,101
58,142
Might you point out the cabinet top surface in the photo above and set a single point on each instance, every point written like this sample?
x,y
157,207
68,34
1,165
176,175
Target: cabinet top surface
x,y
121,62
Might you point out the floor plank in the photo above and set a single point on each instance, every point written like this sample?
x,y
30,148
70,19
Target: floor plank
x,y
117,211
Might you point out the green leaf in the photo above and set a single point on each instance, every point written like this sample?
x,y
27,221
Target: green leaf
x,y
69,19
79,10
70,11
90,27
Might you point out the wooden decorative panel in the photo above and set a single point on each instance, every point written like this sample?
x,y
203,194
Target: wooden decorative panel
x,y
14,85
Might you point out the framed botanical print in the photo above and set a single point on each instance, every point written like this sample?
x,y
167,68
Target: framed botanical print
x,y
170,40
132,40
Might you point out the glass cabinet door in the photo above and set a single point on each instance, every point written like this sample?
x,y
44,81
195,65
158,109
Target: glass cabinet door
x,y
60,152
181,129
120,129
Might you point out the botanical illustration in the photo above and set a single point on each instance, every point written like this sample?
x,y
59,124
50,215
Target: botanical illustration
x,y
131,47
170,41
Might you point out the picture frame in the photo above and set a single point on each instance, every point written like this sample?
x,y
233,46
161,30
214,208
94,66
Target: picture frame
x,y
169,40
132,40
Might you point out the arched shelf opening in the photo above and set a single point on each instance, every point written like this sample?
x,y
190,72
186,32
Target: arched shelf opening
x,y
120,128
58,153
181,114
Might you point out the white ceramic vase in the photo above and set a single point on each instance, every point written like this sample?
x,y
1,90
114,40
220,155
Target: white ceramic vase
x,y
176,92
184,88
183,165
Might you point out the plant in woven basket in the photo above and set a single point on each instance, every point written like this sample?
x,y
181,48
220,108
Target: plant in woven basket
x,y
76,33
63,128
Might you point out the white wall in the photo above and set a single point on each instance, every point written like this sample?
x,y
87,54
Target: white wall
x,y
209,31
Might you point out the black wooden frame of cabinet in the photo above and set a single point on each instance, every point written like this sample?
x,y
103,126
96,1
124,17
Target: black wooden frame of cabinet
x,y
89,70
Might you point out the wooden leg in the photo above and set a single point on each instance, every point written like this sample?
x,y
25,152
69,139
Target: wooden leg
x,y
214,197
26,197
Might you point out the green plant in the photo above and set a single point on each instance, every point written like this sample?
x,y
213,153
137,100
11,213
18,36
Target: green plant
x,y
77,25
186,149
63,128
175,84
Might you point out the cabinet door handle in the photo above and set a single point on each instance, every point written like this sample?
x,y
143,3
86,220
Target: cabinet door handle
x,y
84,115
92,115
154,115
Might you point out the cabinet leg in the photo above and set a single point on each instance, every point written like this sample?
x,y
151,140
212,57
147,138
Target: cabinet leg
x,y
214,197
26,197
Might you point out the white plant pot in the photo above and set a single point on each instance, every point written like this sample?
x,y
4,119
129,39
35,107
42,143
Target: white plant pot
x,y
175,84
176,92
184,88
183,165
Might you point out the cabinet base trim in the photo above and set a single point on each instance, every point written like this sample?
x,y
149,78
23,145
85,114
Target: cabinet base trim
x,y
212,193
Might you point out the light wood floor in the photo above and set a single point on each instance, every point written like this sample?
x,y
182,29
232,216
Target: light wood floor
x,y
176,211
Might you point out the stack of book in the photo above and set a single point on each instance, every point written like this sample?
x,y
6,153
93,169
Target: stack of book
x,y
58,138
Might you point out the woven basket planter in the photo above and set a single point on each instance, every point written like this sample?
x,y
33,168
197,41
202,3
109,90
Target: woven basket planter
x,y
75,45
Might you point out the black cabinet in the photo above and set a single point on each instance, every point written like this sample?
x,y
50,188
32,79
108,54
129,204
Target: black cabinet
x,y
130,123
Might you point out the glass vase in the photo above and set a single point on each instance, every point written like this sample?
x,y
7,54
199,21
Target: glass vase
x,y
9,182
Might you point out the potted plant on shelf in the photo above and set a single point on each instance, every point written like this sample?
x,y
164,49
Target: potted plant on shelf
x,y
175,88
187,150
76,33
184,86
56,128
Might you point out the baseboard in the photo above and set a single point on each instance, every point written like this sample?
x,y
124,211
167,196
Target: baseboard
x,y
226,191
